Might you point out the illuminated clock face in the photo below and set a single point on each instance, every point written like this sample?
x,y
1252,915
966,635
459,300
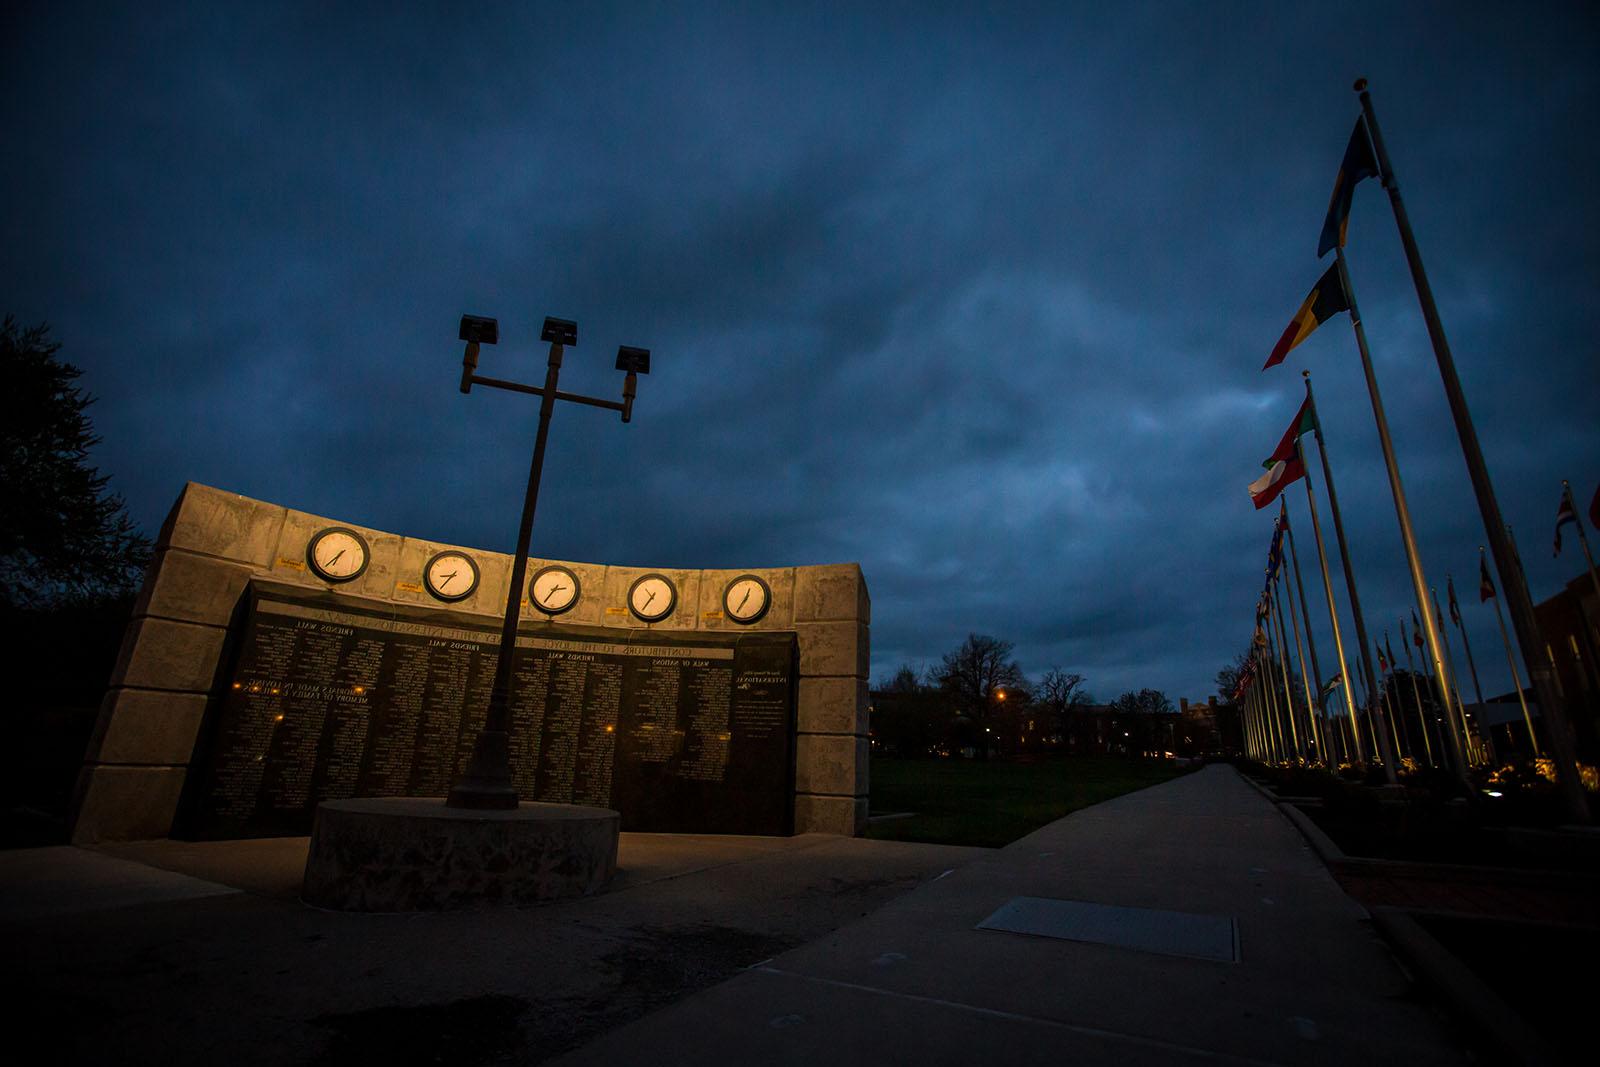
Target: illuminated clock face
x,y
337,554
553,590
746,599
652,597
451,575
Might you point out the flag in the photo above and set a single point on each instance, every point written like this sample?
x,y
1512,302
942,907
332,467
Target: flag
x,y
1394,664
1564,515
1285,464
1333,683
1383,664
1275,552
1326,300
1485,585
1455,609
1416,629
1358,163
1594,509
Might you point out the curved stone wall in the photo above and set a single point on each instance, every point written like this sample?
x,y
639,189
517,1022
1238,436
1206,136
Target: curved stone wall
x,y
213,543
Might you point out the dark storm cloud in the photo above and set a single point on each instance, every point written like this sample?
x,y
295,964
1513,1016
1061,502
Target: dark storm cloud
x,y
973,296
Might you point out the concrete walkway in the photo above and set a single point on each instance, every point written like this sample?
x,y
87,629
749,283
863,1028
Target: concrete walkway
x,y
176,953
917,982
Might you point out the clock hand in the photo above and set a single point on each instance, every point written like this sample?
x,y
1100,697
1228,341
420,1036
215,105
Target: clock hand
x,y
448,579
649,598
742,602
335,558
553,591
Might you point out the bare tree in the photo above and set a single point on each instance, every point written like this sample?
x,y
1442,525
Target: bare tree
x,y
1144,702
973,672
1060,690
904,680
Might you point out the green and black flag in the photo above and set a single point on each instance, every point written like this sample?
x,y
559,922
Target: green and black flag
x,y
1359,163
1326,300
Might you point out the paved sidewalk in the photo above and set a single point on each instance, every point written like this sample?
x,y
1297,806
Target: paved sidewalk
x,y
916,982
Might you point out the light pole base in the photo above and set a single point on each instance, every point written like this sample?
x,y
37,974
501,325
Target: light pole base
x,y
486,785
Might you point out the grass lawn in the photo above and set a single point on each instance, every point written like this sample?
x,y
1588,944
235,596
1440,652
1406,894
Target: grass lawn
x,y
966,802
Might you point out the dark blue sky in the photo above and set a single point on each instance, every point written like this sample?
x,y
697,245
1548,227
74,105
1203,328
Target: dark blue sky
x,y
973,294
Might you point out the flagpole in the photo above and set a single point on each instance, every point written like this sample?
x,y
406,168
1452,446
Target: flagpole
x,y
1511,661
1311,735
1311,642
1286,742
1416,696
1459,711
1396,710
1419,582
1349,576
1388,713
1511,579
1472,668
1583,539
1327,588
1275,734
1283,672
1255,721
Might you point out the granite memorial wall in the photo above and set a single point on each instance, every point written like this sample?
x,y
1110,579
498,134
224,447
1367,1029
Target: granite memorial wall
x,y
251,685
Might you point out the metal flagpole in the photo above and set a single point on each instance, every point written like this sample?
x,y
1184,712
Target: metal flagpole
x,y
1283,671
1349,581
1271,708
1459,710
1472,668
1419,583
1511,661
1416,695
1311,641
1327,587
1280,724
1304,747
1255,721
1511,579
1583,538
1388,713
1300,656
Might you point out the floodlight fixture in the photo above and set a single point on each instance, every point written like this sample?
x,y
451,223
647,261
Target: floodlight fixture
x,y
559,331
475,329
633,360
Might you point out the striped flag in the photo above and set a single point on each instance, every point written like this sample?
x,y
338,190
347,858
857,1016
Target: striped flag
x,y
1485,583
1358,163
1455,609
1564,515
1285,464
1327,299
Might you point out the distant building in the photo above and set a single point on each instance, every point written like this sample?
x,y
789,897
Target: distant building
x,y
1569,622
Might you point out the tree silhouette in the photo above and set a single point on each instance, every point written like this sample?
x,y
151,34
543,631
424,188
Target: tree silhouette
x,y
62,535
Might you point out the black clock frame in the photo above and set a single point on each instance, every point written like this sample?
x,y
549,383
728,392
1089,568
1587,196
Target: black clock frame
x,y
450,598
766,603
672,602
577,589
317,538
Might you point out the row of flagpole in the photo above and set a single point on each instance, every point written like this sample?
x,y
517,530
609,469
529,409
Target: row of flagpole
x,y
1272,712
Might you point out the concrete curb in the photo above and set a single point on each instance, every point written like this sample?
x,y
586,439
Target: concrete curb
x,y
1461,992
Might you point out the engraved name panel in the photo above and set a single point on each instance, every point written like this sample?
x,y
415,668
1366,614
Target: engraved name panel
x,y
326,698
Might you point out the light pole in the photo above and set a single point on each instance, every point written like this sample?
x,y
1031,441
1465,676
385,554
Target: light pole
x,y
486,784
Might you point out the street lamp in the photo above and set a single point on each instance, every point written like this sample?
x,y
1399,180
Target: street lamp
x,y
487,781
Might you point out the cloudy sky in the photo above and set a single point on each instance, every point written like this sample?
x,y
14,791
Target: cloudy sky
x,y
975,295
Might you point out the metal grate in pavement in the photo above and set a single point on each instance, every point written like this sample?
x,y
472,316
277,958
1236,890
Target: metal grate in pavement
x,y
1168,933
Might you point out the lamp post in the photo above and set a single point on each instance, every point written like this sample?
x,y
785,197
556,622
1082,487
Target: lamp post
x,y
486,784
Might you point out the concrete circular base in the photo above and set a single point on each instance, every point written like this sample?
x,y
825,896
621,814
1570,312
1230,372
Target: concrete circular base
x,y
415,854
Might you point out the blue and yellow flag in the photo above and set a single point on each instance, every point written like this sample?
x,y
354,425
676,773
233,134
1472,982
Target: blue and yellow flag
x,y
1359,163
